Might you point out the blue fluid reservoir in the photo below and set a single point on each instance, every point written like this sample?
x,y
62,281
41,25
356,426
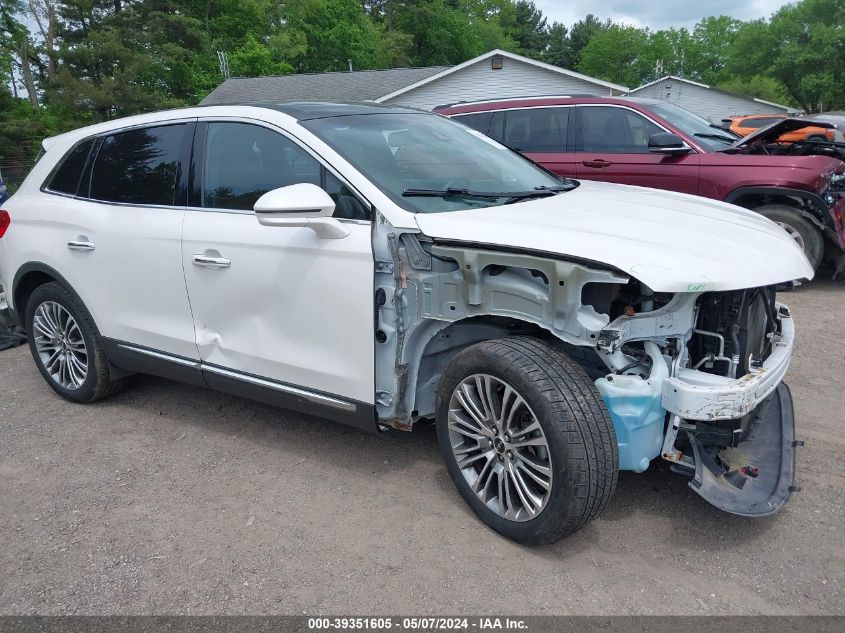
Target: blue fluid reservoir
x,y
637,413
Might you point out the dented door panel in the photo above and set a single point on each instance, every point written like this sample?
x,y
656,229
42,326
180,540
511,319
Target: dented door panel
x,y
290,307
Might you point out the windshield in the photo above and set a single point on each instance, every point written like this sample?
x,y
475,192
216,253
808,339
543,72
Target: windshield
x,y
707,135
428,164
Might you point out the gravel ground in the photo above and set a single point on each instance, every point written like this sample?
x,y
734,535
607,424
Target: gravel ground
x,y
169,499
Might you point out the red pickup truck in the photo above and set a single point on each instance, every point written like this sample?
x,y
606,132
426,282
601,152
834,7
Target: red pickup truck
x,y
652,143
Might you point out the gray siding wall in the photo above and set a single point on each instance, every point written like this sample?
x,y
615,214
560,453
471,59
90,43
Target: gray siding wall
x,y
710,104
478,82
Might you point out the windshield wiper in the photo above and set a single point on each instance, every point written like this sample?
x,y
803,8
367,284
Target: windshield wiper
x,y
451,192
716,137
539,192
512,196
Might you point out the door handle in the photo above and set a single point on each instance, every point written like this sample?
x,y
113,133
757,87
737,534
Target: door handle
x,y
80,246
211,262
598,163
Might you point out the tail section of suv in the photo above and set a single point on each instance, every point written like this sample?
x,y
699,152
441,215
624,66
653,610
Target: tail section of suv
x,y
652,143
383,267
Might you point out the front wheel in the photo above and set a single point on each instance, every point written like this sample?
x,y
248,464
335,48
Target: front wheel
x,y
800,229
526,438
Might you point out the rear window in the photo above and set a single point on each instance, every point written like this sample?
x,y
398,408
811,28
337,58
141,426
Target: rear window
x,y
139,166
66,177
758,123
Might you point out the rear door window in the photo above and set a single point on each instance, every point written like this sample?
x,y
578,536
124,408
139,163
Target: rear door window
x,y
537,129
139,166
66,177
477,120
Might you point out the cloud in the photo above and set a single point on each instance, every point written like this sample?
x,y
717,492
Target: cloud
x,y
656,14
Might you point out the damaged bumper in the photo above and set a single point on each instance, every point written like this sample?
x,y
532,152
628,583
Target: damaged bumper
x,y
756,477
696,395
837,210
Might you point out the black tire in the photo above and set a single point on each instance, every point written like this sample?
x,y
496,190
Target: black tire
x,y
97,384
816,137
581,440
811,237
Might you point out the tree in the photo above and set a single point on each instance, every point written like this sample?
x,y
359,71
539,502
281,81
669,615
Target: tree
x,y
757,86
254,59
530,32
712,41
441,33
332,32
580,35
121,58
558,50
808,44
43,12
620,54
18,48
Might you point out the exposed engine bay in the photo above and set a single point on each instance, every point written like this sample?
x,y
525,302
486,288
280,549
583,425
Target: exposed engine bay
x,y
765,141
801,148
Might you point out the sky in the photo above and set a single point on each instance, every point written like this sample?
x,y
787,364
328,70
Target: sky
x,y
656,14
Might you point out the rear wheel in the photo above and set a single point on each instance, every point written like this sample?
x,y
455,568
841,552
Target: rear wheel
x,y
65,346
526,438
800,229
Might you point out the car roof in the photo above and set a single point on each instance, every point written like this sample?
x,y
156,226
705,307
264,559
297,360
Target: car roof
x,y
308,110
465,107
298,110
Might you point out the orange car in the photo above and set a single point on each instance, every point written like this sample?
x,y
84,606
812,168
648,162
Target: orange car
x,y
746,124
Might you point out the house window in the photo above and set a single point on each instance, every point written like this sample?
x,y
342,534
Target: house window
x,y
496,62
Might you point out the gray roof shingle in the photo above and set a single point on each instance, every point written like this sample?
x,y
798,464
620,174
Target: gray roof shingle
x,y
359,85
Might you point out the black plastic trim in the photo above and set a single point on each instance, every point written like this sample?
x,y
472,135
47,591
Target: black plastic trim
x,y
37,267
363,416
131,358
127,358
809,196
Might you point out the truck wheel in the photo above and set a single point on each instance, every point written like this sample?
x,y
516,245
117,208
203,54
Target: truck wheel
x,y
808,237
65,346
526,438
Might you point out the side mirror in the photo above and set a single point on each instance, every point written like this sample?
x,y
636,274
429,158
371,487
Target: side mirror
x,y
300,205
666,143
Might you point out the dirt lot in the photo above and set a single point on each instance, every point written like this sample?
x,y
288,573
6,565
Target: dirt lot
x,y
173,499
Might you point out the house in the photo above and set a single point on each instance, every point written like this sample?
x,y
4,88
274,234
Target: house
x,y
493,75
706,101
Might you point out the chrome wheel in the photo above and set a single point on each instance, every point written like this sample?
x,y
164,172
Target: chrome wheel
x,y
500,447
60,345
793,233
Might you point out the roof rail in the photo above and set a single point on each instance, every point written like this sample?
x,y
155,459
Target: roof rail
x,y
517,98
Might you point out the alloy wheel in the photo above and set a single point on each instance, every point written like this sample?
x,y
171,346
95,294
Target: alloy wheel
x,y
500,447
793,233
60,345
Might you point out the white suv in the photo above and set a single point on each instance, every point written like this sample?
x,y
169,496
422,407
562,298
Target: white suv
x,y
383,266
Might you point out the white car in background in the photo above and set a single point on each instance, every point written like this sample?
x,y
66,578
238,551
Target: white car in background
x,y
382,266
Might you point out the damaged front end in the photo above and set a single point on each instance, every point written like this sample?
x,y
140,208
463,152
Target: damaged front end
x,y
694,377
729,416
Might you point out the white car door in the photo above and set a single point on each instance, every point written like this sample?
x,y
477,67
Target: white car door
x,y
119,239
277,308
